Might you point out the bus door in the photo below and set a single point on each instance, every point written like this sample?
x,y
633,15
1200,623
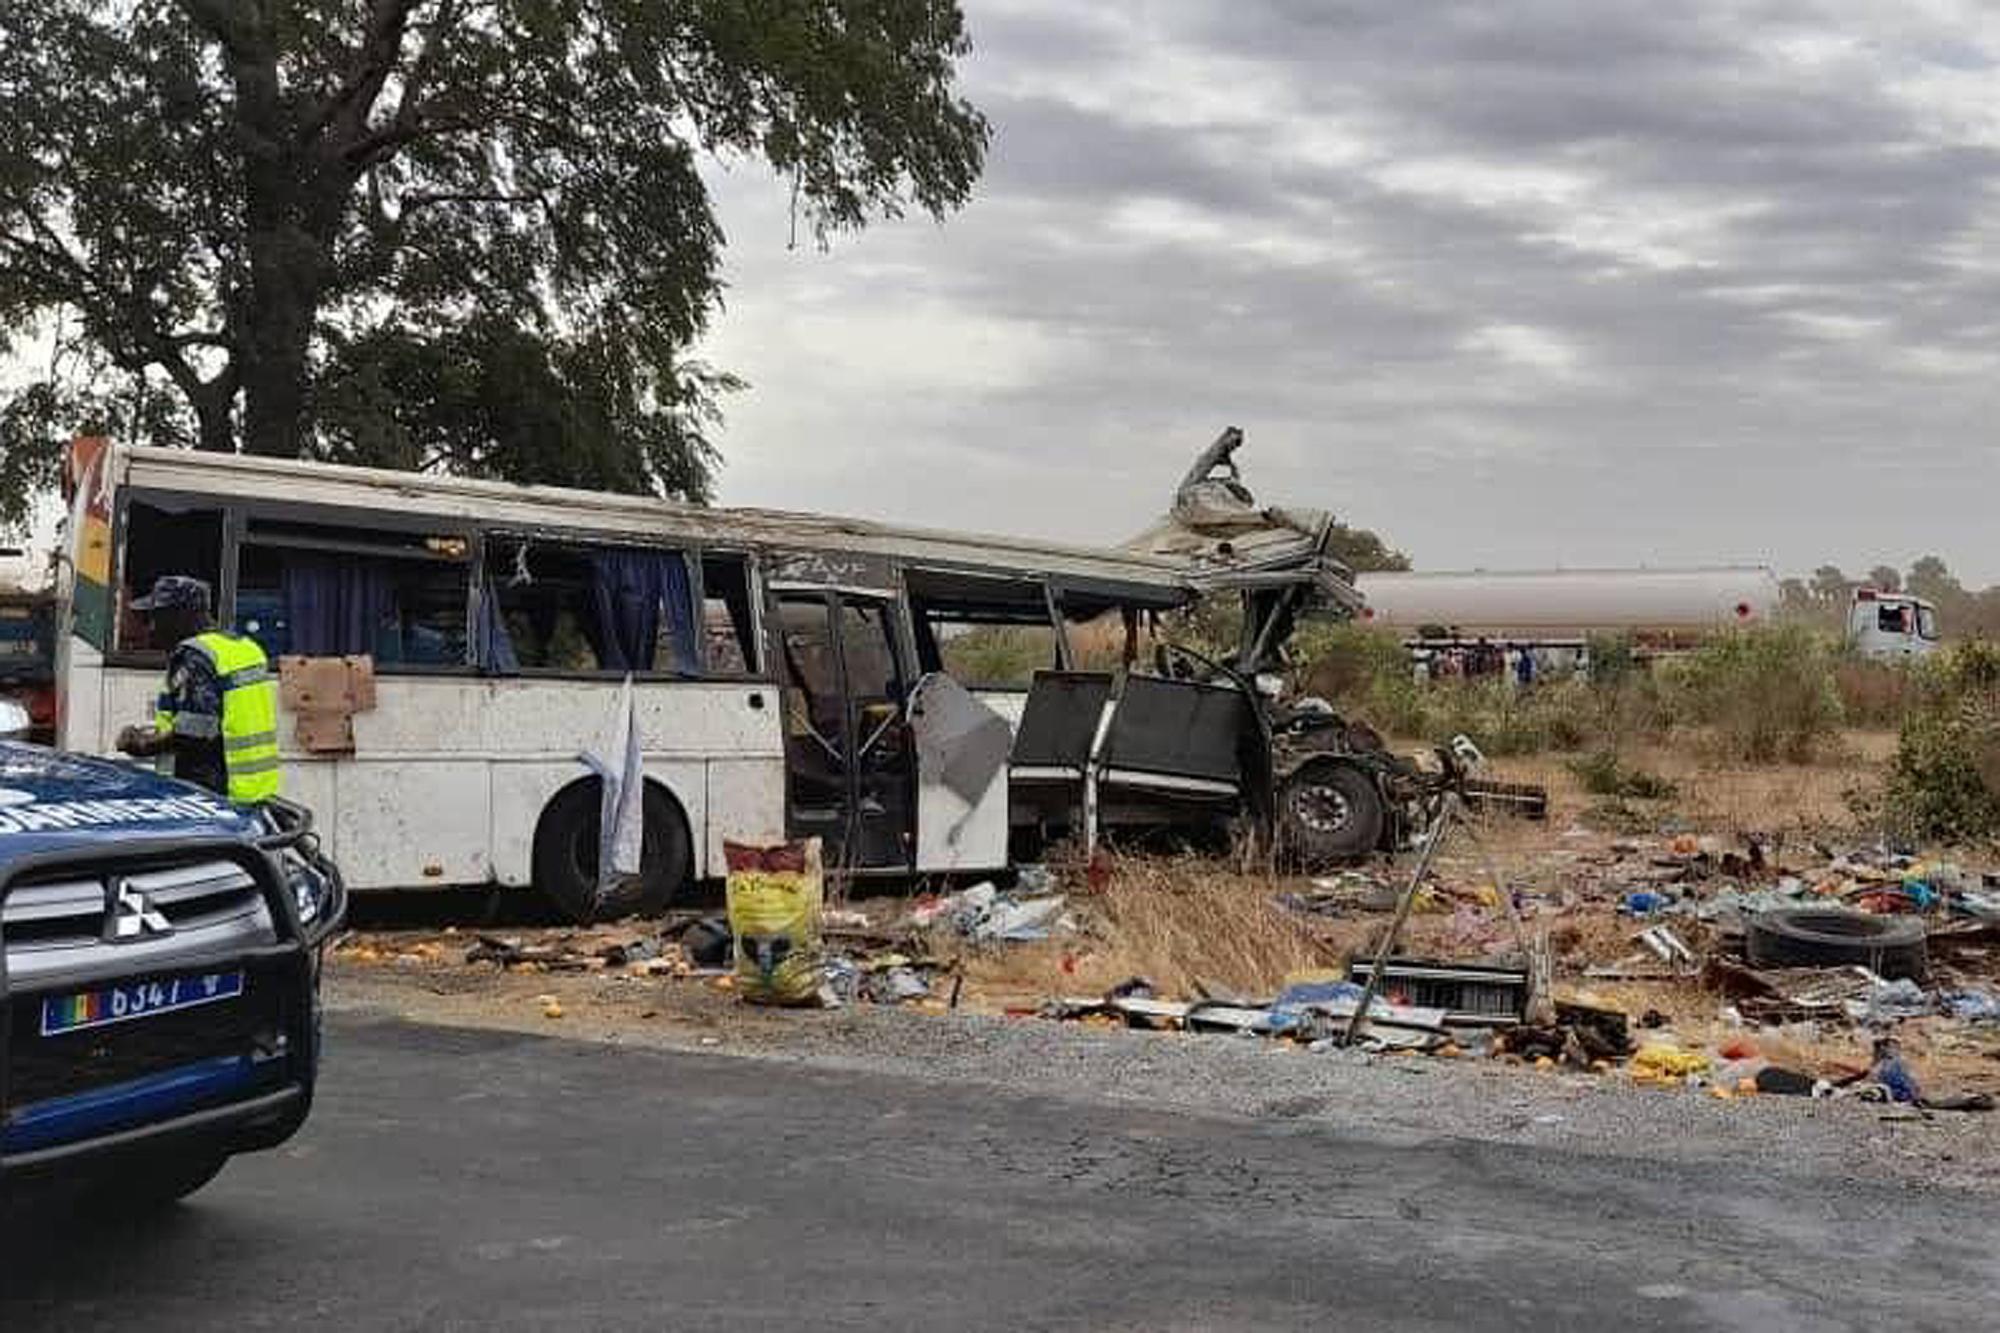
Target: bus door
x,y
849,761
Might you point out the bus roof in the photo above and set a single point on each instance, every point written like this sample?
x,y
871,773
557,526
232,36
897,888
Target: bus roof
x,y
244,477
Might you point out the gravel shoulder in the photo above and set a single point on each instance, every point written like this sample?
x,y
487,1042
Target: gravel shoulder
x,y
1394,1099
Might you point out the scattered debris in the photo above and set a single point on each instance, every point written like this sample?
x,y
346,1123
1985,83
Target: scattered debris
x,y
1472,994
984,913
1668,947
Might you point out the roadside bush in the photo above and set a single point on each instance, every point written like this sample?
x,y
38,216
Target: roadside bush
x,y
1367,673
1602,774
1877,695
1768,692
1348,662
1945,782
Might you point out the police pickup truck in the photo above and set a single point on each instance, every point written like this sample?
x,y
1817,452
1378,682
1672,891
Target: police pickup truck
x,y
159,977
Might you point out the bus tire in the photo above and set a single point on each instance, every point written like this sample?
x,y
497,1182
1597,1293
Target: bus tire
x,y
1329,813
565,864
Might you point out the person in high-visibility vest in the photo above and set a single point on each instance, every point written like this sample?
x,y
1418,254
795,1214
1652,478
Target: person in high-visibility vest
x,y
216,723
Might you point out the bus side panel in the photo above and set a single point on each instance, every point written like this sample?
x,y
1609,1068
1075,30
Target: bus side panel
x,y
313,783
450,773
411,822
86,718
746,803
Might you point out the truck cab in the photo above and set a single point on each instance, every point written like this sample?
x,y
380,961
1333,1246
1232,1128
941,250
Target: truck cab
x,y
159,977
1891,626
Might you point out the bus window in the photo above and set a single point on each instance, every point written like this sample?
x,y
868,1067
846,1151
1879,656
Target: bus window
x,y
1927,627
728,630
163,538
1892,618
404,606
588,609
1112,639
983,632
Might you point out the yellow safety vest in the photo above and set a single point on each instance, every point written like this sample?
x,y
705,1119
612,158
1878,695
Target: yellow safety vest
x,y
248,726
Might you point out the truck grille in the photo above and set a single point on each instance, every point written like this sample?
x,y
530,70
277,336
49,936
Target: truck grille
x,y
70,912
253,1024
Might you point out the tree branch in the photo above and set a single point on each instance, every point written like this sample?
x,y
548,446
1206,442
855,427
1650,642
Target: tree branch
x,y
228,21
411,202
375,147
125,319
374,58
408,104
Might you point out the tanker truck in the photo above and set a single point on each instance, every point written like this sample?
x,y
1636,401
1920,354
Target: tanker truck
x,y
1663,611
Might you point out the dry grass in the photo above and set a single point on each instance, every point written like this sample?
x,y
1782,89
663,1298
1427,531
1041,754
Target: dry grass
x,y
1727,797
1182,923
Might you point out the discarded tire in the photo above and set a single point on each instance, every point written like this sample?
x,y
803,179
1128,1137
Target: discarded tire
x,y
1890,946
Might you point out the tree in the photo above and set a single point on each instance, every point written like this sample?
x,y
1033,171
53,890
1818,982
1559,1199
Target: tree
x,y
1829,586
1885,578
1930,580
1364,551
312,226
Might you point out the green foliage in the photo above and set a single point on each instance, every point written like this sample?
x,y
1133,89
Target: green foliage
x,y
1213,627
998,655
1364,551
1877,695
1767,692
1367,673
1343,660
1945,782
1614,660
1602,774
386,229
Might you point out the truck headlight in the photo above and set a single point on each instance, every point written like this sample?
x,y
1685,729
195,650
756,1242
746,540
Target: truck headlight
x,y
308,892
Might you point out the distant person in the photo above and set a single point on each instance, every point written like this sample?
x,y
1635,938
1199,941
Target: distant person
x,y
1524,666
216,722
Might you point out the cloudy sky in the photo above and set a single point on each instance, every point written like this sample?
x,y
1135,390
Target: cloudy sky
x,y
1519,285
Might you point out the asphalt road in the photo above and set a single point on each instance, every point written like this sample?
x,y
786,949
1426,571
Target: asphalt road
x,y
478,1180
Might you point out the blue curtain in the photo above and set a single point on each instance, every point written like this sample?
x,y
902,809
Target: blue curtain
x,y
496,645
337,605
633,590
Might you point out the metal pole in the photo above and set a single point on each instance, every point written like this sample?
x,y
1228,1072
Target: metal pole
x,y
1446,814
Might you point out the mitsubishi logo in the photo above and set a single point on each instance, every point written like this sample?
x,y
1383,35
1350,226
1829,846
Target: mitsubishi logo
x,y
133,915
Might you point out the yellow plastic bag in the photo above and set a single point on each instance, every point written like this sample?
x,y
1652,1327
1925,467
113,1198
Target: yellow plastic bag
x,y
1668,1062
775,895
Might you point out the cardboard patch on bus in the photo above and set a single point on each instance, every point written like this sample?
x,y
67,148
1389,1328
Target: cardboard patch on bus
x,y
323,694
775,893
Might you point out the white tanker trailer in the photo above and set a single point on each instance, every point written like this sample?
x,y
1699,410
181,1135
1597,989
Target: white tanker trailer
x,y
1662,610
1536,605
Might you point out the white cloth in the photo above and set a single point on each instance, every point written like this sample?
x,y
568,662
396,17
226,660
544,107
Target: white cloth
x,y
622,832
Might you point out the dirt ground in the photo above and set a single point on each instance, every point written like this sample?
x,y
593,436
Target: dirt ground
x,y
1198,928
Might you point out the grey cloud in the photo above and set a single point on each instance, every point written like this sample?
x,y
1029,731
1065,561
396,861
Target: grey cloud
x,y
1742,325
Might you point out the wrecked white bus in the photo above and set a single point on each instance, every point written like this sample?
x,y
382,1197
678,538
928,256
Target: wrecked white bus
x,y
923,702
774,658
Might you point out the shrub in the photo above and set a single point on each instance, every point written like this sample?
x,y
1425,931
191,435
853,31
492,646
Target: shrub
x,y
1602,774
1874,694
1767,692
1945,782
1348,662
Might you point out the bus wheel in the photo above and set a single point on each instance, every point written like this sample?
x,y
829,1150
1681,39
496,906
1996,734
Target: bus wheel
x,y
1328,813
566,856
